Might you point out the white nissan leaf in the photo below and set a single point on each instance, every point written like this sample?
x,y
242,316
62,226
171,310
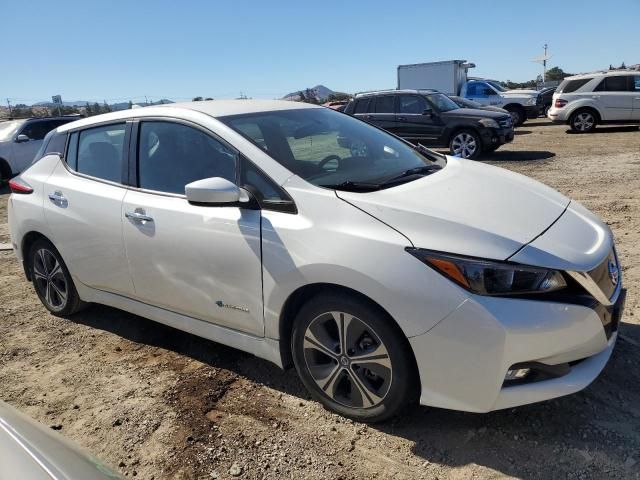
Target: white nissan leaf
x,y
384,272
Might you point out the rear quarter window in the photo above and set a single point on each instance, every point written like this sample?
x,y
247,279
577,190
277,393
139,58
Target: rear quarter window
x,y
569,86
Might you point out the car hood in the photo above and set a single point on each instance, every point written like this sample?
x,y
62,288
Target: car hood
x,y
522,92
474,113
467,208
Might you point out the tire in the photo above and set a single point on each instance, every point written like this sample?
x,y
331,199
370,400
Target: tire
x,y
518,115
583,121
5,171
465,144
52,280
336,375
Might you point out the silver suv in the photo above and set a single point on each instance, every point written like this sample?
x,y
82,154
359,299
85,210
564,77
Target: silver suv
x,y
609,97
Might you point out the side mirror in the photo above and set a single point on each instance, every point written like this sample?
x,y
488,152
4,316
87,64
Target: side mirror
x,y
213,191
22,138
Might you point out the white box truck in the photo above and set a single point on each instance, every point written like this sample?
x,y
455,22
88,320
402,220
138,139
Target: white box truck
x,y
451,77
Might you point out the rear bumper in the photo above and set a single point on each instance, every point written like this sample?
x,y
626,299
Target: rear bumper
x,y
463,360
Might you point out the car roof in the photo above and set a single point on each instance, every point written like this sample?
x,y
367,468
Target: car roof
x,y
395,92
213,108
604,73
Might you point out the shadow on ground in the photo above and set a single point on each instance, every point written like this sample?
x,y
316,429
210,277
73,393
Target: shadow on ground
x,y
517,156
606,129
582,433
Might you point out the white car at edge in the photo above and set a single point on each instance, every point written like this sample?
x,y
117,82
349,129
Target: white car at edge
x,y
385,273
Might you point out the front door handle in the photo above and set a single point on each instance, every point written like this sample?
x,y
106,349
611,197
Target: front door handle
x,y
401,118
138,215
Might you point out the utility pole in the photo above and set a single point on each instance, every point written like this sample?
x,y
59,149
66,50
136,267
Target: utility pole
x,y
10,111
544,63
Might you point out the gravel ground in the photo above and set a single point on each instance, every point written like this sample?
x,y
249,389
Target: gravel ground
x,y
156,403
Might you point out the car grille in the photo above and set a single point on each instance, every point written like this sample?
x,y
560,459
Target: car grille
x,y
505,122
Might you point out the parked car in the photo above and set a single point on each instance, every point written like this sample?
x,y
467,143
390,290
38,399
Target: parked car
x,y
21,139
609,97
383,271
431,118
466,103
451,78
29,450
338,105
546,100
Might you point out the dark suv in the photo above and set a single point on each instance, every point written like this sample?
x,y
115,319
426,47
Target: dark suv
x,y
431,118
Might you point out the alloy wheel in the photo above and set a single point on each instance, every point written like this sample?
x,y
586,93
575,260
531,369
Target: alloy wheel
x,y
584,121
50,279
464,145
347,360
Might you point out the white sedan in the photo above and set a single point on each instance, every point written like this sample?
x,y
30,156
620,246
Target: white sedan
x,y
384,272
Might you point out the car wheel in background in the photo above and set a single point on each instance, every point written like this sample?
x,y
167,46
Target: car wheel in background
x,y
583,121
518,115
352,358
465,144
52,281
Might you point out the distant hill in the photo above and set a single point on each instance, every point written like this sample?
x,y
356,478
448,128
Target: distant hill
x,y
321,93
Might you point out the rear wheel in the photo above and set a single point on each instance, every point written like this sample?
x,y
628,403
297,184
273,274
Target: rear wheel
x,y
52,281
351,358
465,144
583,121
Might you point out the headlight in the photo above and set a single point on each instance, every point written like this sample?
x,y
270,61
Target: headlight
x,y
489,123
488,277
531,101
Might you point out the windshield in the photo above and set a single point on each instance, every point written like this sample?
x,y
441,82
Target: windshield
x,y
442,102
496,85
329,148
8,129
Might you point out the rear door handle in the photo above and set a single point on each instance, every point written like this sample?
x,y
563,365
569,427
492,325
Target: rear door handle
x,y
401,118
58,199
138,215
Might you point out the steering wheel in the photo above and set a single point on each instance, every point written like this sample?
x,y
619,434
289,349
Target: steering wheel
x,y
327,159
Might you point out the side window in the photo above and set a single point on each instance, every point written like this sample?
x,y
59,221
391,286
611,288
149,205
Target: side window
x,y
361,105
171,155
614,84
269,195
37,130
100,152
636,83
472,89
412,104
384,104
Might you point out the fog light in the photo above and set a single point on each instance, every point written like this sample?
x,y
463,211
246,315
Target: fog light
x,y
517,374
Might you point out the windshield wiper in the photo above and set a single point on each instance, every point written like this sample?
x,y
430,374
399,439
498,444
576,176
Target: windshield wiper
x,y
422,170
350,186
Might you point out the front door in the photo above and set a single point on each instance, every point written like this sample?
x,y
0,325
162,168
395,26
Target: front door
x,y
201,261
416,120
83,207
635,84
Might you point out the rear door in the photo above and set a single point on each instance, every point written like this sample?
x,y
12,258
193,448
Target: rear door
x,y
615,97
83,206
414,123
379,111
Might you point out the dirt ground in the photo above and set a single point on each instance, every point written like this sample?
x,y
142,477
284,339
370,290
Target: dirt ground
x,y
156,403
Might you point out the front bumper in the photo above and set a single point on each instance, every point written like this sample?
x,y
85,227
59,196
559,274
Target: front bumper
x,y
496,136
463,360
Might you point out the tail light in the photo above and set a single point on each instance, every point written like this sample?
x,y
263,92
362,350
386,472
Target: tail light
x,y
17,185
560,103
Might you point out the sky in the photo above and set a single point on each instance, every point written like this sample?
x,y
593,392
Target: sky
x,y
125,50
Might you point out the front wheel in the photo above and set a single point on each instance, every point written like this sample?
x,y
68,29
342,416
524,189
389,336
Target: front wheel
x,y
52,281
465,144
518,115
583,121
352,358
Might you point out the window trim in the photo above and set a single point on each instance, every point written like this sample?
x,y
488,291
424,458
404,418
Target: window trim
x,y
286,206
125,151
